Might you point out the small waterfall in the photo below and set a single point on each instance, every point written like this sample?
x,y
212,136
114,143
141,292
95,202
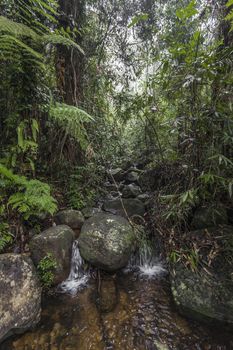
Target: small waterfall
x,y
145,263
78,278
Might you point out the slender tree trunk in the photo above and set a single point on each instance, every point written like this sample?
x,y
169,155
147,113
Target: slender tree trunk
x,y
70,62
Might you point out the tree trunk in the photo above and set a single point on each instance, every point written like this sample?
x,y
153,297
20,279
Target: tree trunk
x,y
70,62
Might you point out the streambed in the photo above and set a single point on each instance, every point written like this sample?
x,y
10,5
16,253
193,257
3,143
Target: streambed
x,y
119,312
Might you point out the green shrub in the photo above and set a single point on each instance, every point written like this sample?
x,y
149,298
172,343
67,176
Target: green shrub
x,y
46,268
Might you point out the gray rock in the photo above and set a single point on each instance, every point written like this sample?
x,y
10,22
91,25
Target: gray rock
x,y
144,197
148,180
110,187
132,206
131,191
132,177
20,302
89,212
201,296
117,174
209,216
70,217
114,194
106,241
57,241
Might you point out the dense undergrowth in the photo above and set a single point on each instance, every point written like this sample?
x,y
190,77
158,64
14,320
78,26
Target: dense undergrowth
x,y
90,86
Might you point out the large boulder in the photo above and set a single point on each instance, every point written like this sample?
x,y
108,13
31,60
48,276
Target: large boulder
x,y
131,191
56,241
70,217
20,301
90,211
208,217
202,296
133,206
107,241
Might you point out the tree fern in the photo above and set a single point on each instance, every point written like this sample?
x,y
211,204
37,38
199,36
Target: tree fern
x,y
72,120
21,30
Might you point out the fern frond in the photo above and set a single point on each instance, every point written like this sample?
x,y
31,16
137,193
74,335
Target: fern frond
x,y
31,197
71,119
27,48
16,29
57,39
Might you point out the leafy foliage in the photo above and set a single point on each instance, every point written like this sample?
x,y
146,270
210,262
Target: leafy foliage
x,y
72,119
6,237
46,269
30,196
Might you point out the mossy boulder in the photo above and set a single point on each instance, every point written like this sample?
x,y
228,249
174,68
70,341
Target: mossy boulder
x,y
205,217
202,296
20,301
107,241
72,218
56,241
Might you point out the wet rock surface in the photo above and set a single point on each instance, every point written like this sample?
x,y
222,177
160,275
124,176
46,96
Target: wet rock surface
x,y
56,241
107,294
203,296
20,295
106,241
206,294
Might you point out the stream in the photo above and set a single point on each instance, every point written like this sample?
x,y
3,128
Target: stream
x,y
130,310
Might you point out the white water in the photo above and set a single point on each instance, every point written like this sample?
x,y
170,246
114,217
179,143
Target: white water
x,y
78,278
145,263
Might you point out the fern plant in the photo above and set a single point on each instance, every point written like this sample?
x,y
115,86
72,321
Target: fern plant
x,y
12,35
72,120
30,197
6,237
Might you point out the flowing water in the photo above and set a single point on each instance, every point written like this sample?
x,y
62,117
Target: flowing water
x,y
130,310
78,277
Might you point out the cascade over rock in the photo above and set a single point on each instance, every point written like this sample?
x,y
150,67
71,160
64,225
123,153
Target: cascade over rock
x,y
107,241
20,293
58,242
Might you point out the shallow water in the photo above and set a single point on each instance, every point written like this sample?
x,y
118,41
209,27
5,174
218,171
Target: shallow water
x,y
121,312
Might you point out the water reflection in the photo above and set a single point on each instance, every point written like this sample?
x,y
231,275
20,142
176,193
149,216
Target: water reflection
x,y
120,313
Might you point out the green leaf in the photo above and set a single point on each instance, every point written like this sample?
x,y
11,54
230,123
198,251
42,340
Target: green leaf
x,y
35,129
187,12
138,18
229,3
57,39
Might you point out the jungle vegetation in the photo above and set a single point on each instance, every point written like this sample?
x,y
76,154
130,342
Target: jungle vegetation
x,y
88,84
